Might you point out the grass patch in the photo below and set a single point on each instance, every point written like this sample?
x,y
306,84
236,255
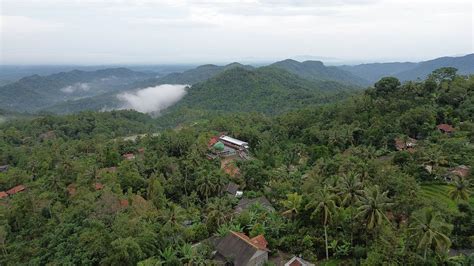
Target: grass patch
x,y
438,195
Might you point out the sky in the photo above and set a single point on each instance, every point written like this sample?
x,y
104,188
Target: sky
x,y
211,31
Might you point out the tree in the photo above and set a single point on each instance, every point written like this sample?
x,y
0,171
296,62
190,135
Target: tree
x,y
292,204
418,121
219,211
443,74
350,190
460,190
125,251
386,85
207,185
430,229
372,207
323,205
155,192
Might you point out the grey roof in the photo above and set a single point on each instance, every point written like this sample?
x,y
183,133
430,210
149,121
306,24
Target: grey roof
x,y
234,248
246,203
232,188
300,260
4,168
234,141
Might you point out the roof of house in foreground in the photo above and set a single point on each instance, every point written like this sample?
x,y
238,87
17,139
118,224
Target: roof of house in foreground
x,y
240,248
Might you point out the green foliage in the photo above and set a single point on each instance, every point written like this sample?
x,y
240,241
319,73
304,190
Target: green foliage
x,y
332,169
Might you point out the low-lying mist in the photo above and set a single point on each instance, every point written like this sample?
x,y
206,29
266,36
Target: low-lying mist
x,y
152,99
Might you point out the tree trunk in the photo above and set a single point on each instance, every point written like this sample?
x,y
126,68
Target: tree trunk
x,y
352,227
326,242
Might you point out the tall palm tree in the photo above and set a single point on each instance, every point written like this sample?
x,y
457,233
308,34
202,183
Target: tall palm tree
x,y
431,229
350,190
219,211
292,204
323,204
460,190
372,206
207,185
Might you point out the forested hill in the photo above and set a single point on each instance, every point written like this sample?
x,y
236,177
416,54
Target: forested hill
x,y
382,178
411,71
35,92
267,90
316,70
192,76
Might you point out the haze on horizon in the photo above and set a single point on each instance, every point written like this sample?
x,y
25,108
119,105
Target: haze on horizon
x,y
211,31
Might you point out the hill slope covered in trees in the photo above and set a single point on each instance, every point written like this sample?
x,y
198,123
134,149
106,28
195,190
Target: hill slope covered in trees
x,y
36,92
343,189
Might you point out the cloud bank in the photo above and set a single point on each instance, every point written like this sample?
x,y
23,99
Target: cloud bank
x,y
153,99
76,87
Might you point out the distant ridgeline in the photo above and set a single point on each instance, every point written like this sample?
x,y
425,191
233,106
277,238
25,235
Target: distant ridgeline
x,y
272,89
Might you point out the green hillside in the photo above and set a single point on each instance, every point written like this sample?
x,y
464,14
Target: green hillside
x,y
316,70
36,92
266,90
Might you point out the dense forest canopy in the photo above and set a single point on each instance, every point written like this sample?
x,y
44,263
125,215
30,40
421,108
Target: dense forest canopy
x,y
383,177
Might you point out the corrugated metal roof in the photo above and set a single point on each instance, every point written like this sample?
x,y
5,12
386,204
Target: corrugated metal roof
x,y
234,141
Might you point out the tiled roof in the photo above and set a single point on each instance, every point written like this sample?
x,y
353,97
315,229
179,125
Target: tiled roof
x,y
240,248
3,194
445,128
16,189
98,186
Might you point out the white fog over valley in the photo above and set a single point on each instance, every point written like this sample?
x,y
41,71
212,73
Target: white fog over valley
x,y
153,99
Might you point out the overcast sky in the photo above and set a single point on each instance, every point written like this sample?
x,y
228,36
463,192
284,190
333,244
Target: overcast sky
x,y
212,31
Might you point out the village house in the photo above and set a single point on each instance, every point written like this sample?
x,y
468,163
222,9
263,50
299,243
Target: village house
x,y
4,168
460,171
405,144
241,250
246,203
225,146
297,261
14,190
233,190
445,128
3,194
128,156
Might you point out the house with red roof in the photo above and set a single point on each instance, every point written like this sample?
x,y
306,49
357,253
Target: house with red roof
x,y
14,190
445,128
98,186
242,250
3,194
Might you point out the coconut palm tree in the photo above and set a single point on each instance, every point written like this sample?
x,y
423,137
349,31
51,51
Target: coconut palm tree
x,y
292,204
323,205
372,206
207,185
460,190
219,211
430,228
350,190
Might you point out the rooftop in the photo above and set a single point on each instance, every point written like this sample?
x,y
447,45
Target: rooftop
x,y
445,128
234,141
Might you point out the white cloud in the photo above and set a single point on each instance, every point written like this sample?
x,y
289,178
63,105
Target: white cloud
x,y
153,99
213,31
76,87
23,24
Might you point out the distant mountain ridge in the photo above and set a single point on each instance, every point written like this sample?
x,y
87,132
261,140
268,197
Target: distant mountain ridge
x,y
409,70
316,70
35,92
191,76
